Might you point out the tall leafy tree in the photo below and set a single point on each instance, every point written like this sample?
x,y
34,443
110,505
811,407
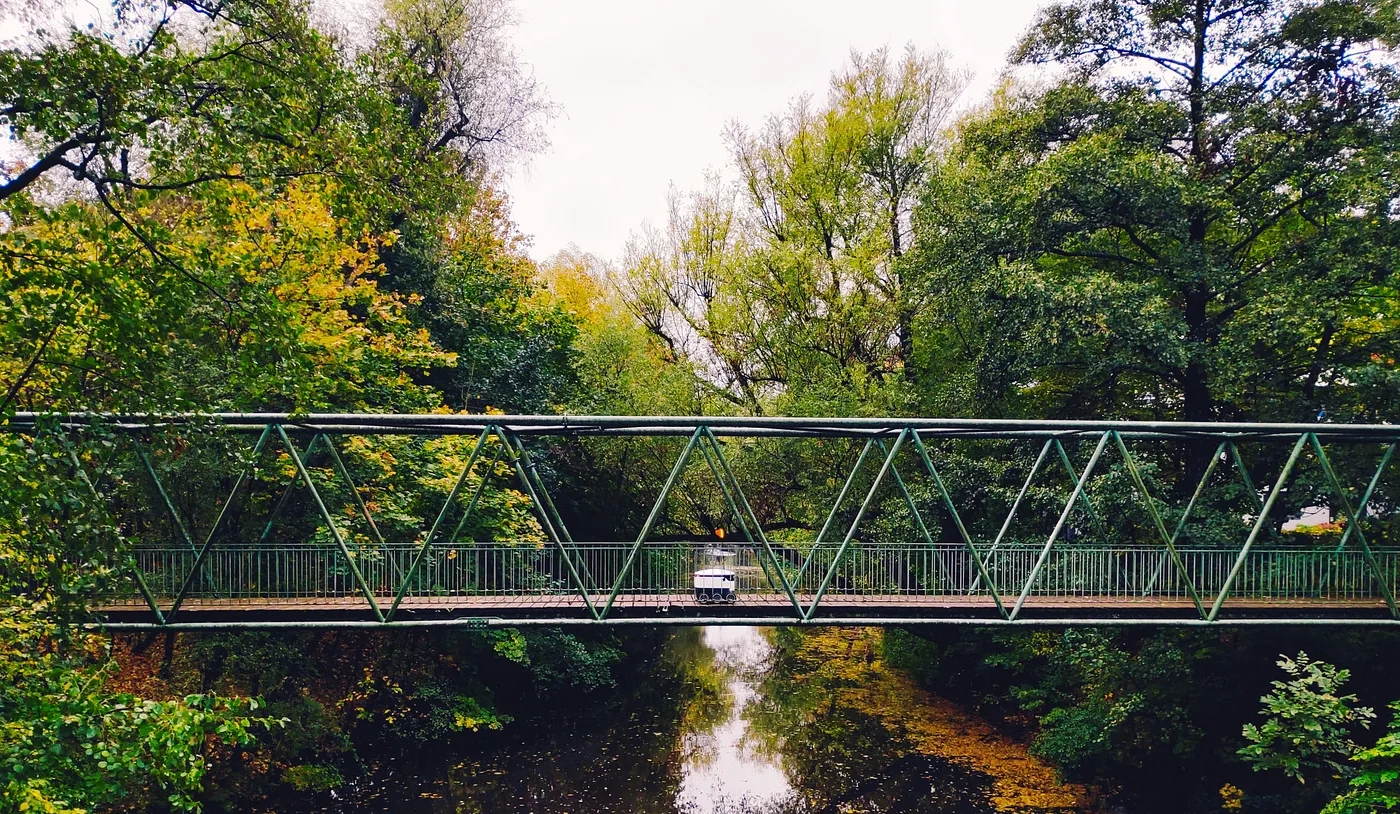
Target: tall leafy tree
x,y
785,287
1198,219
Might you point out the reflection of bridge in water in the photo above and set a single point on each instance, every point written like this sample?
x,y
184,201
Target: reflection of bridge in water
x,y
967,567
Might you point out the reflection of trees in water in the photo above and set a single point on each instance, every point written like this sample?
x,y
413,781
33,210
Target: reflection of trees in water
x,y
842,747
839,754
622,757
614,752
708,701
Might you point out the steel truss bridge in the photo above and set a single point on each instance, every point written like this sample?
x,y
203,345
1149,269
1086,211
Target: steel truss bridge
x,y
959,567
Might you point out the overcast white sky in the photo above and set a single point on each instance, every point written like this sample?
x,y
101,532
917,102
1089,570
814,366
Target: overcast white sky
x,y
645,88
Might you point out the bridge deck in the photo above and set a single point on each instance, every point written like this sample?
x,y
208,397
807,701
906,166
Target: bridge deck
x,y
680,607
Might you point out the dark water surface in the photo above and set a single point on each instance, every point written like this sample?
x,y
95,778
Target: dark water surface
x,y
728,724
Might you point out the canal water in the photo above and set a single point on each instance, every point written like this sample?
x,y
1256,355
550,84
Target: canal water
x,y
738,721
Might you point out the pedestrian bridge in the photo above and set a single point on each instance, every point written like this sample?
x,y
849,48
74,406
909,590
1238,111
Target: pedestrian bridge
x,y
1003,522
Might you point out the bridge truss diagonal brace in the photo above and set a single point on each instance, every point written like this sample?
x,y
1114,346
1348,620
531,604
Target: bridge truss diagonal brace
x,y
835,507
287,490
196,569
855,523
1059,526
427,543
1259,523
344,473
918,519
134,567
170,507
1169,540
1010,517
1366,497
743,511
947,497
652,516
1249,486
1221,451
1354,521
1069,470
1016,505
550,519
350,560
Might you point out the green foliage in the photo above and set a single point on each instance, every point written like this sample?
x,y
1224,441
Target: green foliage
x,y
66,744
560,661
1307,733
784,286
1376,786
313,777
1195,223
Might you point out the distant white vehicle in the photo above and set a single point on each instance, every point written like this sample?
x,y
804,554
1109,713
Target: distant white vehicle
x,y
716,586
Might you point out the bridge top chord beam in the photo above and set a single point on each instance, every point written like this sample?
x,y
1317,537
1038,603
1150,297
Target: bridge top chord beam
x,y
571,425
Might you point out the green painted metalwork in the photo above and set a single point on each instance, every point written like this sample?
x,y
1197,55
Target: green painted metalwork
x,y
836,504
1258,524
1353,521
1069,470
330,522
855,523
1059,526
286,494
1015,505
132,565
442,515
982,575
913,510
1366,497
772,567
550,514
1167,539
558,534
344,473
1186,513
1124,574
219,521
165,498
656,509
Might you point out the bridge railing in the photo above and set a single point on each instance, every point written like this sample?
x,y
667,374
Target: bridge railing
x,y
304,572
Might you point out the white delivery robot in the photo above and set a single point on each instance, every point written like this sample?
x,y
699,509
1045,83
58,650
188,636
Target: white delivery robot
x,y
716,584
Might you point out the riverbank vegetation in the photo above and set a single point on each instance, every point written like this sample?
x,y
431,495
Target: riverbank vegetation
x,y
1167,210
